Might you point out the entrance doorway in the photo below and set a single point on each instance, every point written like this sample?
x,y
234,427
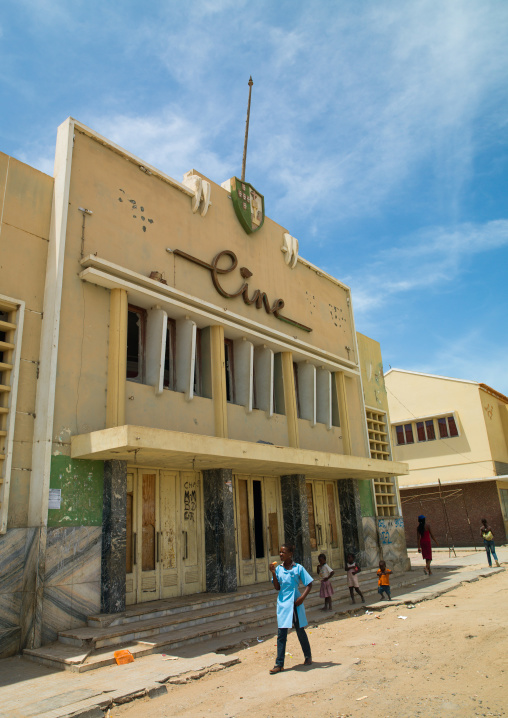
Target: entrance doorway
x,y
324,523
259,529
165,553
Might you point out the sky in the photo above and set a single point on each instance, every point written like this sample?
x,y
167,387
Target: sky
x,y
378,136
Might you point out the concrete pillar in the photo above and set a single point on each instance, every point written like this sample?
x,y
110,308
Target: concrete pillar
x,y
351,518
117,358
296,517
114,537
220,550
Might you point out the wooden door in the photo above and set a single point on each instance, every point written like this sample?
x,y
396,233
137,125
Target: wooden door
x,y
169,485
324,523
244,539
191,511
274,522
149,544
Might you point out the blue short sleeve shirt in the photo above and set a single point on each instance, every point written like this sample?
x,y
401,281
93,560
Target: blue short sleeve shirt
x,y
289,580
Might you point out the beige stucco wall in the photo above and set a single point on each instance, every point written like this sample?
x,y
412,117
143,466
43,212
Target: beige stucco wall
x,y
374,389
465,457
495,413
25,212
120,196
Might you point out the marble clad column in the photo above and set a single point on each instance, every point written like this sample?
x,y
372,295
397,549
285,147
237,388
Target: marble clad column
x,y
351,519
296,517
114,535
220,551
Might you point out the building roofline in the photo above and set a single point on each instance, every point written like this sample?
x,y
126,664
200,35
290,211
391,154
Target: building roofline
x,y
494,392
433,376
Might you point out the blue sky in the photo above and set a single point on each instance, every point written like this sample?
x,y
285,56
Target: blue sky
x,y
379,137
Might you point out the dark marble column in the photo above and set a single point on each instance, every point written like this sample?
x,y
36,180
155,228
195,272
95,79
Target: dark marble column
x,y
114,534
351,519
296,517
220,551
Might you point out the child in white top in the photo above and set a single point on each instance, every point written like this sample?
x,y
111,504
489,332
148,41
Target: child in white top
x,y
325,573
353,569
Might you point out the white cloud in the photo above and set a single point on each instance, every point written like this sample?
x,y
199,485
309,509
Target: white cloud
x,y
470,356
433,257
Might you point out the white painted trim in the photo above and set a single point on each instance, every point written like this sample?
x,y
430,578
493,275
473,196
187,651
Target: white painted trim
x,y
430,376
150,292
11,416
45,397
321,273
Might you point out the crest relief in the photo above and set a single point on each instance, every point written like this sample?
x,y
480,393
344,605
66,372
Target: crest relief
x,y
249,205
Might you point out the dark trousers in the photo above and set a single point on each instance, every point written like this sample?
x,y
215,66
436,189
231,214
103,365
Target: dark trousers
x,y
282,637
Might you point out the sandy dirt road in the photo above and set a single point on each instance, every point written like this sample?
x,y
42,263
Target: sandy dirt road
x,y
449,657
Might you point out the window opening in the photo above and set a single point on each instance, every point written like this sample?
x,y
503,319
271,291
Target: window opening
x,y
169,358
228,355
425,430
258,518
197,365
297,393
136,325
404,434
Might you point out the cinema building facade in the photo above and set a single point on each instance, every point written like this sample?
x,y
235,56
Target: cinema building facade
x,y
181,392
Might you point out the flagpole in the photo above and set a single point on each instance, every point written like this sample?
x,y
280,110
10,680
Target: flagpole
x,y
246,131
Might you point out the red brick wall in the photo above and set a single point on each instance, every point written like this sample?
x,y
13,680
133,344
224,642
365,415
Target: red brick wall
x,y
481,500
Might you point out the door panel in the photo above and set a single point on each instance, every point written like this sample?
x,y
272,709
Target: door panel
x,y
169,541
192,509
149,536
245,558
324,522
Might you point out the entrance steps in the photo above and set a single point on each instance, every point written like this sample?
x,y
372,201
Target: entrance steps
x,y
170,624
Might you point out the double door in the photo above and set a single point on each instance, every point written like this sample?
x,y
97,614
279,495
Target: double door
x,y
164,534
324,523
259,529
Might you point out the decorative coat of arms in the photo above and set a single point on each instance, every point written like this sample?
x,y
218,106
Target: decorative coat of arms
x,y
249,205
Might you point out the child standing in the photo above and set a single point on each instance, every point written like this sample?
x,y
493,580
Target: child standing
x,y
353,569
383,584
290,611
325,573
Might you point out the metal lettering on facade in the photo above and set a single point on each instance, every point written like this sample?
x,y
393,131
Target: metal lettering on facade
x,y
258,298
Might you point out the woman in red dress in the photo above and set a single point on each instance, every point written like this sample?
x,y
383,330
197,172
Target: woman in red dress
x,y
424,534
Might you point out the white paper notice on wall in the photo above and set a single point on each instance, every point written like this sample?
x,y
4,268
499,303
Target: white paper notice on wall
x,y
55,498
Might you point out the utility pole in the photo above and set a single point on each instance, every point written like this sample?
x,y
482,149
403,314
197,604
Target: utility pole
x,y
246,131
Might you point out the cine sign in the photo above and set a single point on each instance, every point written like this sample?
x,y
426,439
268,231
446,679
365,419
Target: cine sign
x,y
258,298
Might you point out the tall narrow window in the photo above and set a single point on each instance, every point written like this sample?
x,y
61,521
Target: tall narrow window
x,y
447,427
169,357
197,365
297,392
229,367
136,331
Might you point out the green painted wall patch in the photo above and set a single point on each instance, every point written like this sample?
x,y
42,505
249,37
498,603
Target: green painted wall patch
x,y
81,483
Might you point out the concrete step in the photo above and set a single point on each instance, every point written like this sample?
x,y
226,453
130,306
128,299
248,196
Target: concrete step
x,y
91,648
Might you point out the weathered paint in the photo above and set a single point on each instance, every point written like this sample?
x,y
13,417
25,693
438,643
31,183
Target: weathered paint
x,y
366,498
81,483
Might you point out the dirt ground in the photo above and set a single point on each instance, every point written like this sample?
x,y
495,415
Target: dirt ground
x,y
447,658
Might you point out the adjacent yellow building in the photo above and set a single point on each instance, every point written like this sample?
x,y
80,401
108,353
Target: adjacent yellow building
x,y
454,432
180,393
